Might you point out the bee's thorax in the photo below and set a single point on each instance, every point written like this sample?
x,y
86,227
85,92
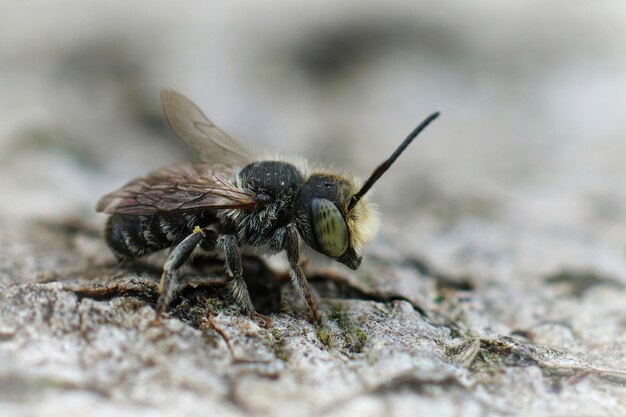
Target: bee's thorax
x,y
278,180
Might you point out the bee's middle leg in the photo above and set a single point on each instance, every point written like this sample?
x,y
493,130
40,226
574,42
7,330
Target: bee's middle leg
x,y
227,244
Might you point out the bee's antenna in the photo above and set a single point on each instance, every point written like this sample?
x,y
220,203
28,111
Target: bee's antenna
x,y
378,172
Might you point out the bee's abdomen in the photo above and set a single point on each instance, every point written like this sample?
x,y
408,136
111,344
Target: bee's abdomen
x,y
131,237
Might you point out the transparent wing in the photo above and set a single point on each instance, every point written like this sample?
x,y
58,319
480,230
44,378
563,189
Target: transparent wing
x,y
192,126
179,188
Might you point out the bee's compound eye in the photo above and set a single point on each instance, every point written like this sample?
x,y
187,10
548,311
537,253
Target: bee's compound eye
x,y
330,227
328,184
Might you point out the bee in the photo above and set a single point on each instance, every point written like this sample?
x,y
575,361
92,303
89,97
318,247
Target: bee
x,y
231,203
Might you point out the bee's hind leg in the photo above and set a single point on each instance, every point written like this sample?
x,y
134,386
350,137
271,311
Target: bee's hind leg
x,y
177,258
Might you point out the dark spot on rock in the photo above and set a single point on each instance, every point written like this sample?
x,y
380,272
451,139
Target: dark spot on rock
x,y
417,385
6,336
336,286
579,282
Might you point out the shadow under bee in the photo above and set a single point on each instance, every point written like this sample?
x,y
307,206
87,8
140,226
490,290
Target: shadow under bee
x,y
202,291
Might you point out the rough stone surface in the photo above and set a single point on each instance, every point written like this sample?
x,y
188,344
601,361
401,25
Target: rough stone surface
x,y
496,287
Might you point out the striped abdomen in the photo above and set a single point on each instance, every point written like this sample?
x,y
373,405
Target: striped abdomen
x,y
131,237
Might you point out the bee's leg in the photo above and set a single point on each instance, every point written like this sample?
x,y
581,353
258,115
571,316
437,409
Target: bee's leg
x,y
227,244
177,258
291,244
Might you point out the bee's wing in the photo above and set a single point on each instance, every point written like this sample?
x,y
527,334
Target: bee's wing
x,y
192,126
179,188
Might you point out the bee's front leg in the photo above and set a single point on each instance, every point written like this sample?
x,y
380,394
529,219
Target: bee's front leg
x,y
287,238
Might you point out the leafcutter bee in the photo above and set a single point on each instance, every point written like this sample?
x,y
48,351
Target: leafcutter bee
x,y
232,202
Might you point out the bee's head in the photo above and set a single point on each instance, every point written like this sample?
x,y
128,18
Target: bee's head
x,y
334,216
329,225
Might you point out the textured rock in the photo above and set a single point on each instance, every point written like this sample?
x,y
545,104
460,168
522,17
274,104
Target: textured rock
x,y
87,340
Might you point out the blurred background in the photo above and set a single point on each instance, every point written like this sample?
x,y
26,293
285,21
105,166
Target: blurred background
x,y
528,153
505,221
